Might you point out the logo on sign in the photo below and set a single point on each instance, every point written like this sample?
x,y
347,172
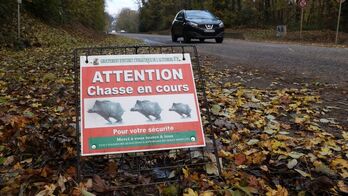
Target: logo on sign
x,y
96,61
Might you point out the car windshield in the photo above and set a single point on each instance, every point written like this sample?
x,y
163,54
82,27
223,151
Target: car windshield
x,y
199,14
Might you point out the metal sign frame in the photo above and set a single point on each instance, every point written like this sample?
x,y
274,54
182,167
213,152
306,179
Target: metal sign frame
x,y
147,163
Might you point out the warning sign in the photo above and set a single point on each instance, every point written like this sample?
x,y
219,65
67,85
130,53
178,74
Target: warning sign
x,y
132,103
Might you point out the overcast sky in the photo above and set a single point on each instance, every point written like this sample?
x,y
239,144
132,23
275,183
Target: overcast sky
x,y
113,7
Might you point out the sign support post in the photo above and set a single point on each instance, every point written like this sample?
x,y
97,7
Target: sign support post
x,y
302,4
338,20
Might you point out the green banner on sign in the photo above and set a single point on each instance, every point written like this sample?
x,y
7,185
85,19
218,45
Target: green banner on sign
x,y
142,140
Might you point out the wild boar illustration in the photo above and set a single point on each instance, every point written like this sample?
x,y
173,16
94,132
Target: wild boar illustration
x,y
182,109
148,108
108,109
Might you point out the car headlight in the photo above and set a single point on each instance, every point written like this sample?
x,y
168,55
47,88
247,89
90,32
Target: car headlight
x,y
192,24
221,24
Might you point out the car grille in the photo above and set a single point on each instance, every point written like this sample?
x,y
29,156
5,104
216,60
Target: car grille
x,y
202,26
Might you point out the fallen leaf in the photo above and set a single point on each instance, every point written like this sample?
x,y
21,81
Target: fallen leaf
x,y
216,109
171,190
211,168
207,193
264,168
9,160
99,184
84,192
321,167
252,142
342,186
339,163
304,174
190,192
323,120
240,159
292,163
345,135
61,183
295,155
281,191
89,183
48,191
186,173
111,168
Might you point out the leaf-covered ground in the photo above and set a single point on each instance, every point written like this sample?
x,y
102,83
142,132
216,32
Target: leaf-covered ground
x,y
279,140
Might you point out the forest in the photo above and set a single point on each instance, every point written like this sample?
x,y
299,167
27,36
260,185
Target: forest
x,y
54,12
318,14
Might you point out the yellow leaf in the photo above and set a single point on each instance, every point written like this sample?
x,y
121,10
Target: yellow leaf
x,y
207,193
190,192
344,173
225,154
342,186
281,191
48,191
325,151
345,135
86,193
339,163
321,167
301,118
313,128
186,172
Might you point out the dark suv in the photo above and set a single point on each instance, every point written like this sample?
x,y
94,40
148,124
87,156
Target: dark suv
x,y
199,24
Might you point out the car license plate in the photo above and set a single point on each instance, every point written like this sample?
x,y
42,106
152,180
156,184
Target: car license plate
x,y
209,30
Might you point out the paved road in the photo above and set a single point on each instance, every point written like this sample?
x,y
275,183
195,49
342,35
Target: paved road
x,y
320,63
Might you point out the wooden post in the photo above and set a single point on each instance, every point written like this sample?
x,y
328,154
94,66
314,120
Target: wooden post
x,y
301,23
338,21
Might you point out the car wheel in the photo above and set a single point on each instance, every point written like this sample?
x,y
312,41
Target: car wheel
x,y
201,40
219,39
174,38
187,39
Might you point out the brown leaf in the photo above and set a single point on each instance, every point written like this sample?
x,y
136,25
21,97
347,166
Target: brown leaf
x,y
99,184
46,171
9,160
253,182
320,185
112,168
285,126
240,159
71,171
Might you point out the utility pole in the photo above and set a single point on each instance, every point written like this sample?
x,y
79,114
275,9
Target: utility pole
x,y
338,20
19,19
301,23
